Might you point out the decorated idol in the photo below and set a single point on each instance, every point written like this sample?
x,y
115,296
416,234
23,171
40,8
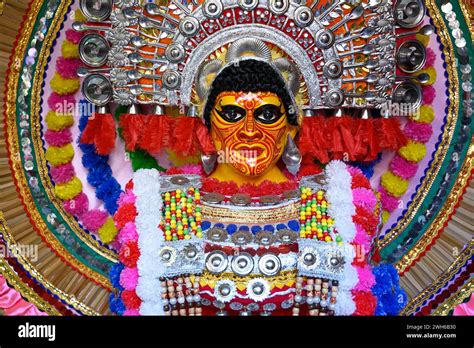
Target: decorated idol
x,y
265,112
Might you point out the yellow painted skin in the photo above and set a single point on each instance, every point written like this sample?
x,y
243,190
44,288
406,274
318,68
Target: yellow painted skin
x,y
248,149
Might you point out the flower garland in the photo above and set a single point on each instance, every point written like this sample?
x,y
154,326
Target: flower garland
x,y
418,130
58,136
150,237
100,175
339,196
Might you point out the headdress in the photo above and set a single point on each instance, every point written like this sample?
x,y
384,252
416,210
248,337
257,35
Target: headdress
x,y
336,55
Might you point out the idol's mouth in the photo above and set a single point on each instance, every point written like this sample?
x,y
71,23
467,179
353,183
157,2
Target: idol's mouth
x,y
251,152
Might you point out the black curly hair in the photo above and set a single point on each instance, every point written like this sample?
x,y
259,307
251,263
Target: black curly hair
x,y
250,75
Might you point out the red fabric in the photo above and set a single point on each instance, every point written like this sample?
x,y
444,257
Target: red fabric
x,y
390,135
100,131
366,144
157,133
132,129
340,136
203,137
312,140
184,143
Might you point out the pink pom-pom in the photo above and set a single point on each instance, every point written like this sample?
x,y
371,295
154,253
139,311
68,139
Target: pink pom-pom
x,y
58,138
94,219
129,278
365,198
354,170
62,173
403,168
131,313
430,57
61,103
67,67
418,131
389,202
73,36
429,94
127,233
126,197
78,205
362,238
366,279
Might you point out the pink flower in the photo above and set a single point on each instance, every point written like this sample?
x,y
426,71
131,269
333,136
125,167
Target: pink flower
x,y
67,67
129,278
403,168
429,94
58,138
365,198
126,197
361,237
418,131
389,202
61,103
62,173
94,219
131,313
78,205
127,233
430,57
73,36
366,279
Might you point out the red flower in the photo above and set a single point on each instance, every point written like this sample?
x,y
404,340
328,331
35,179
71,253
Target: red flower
x,y
129,254
366,219
129,185
365,303
130,299
125,213
360,180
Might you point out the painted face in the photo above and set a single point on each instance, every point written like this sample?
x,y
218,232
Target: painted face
x,y
249,130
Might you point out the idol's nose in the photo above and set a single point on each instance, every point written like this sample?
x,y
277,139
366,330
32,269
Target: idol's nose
x,y
250,133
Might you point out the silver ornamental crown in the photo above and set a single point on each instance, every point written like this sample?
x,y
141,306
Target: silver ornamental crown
x,y
152,54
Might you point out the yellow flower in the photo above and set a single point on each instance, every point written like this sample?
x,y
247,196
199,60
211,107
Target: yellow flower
x,y
59,155
413,151
395,185
78,16
69,50
424,39
61,85
425,114
69,189
108,231
59,121
385,216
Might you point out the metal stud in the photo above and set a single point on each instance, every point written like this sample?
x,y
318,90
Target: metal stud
x,y
174,53
248,5
216,261
242,264
269,264
212,8
303,16
189,26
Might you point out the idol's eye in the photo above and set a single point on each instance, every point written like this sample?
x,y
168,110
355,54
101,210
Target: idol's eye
x,y
231,113
268,114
